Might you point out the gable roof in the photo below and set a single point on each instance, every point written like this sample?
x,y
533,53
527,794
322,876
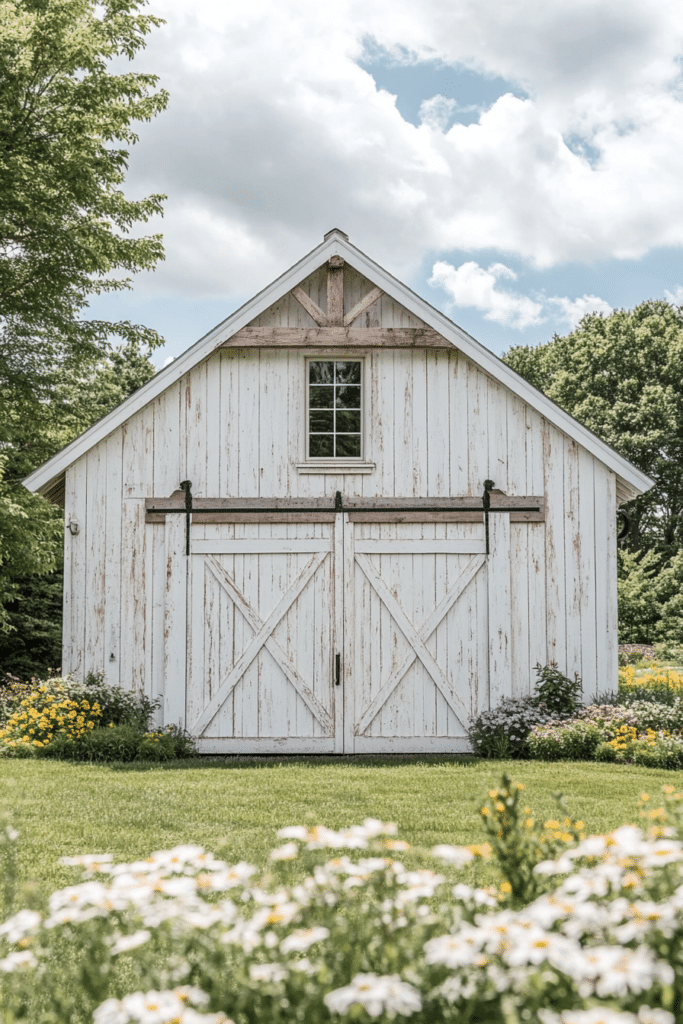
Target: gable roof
x,y
630,480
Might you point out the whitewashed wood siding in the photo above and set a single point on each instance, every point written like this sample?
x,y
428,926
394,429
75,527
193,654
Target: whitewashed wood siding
x,y
436,426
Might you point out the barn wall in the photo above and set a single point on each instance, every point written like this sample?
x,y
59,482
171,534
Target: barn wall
x,y
437,425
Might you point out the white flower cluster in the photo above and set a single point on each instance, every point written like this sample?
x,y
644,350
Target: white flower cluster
x,y
158,1008
364,932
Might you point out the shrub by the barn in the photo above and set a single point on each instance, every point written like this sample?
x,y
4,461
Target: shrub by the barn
x,y
502,732
62,718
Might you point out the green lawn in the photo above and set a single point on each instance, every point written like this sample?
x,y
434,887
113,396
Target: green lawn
x,y
238,804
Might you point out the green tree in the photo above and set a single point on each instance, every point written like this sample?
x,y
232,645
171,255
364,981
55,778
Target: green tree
x,y
65,234
31,641
64,221
620,375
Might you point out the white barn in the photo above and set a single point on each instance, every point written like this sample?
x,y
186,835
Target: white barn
x,y
328,581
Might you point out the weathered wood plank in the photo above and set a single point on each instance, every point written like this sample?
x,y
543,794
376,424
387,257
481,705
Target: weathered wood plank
x,y
337,639
519,609
588,610
112,559
196,428
361,306
96,508
135,605
258,545
311,307
477,429
138,448
175,622
335,292
516,438
336,337
362,510
500,629
246,438
167,414
352,655
458,413
442,516
609,510
422,546
553,460
76,508
438,428
573,540
498,454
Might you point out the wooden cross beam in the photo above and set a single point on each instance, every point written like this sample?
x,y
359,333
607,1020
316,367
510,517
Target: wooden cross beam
x,y
335,299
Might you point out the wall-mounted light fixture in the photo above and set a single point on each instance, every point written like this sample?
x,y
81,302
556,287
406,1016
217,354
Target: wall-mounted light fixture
x,y
73,526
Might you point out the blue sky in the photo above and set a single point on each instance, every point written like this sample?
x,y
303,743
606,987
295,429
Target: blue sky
x,y
517,170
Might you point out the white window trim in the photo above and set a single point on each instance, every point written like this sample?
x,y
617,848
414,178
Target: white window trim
x,y
342,465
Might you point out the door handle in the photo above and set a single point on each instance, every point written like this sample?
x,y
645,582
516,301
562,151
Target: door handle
x,y
337,670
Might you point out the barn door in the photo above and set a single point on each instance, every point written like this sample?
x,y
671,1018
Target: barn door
x,y
261,628
338,636
416,634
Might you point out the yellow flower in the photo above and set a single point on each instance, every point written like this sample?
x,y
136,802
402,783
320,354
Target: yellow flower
x,y
493,793
505,887
500,806
551,824
579,825
529,823
484,811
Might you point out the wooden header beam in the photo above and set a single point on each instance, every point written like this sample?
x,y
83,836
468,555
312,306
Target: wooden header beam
x,y
336,337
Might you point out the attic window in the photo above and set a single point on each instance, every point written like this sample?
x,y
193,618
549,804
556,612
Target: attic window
x,y
335,409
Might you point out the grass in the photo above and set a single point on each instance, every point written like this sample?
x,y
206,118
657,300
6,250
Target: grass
x,y
237,805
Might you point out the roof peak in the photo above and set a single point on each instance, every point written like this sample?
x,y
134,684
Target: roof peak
x,y
335,231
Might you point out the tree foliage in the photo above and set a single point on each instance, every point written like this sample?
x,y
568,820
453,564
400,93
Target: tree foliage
x,y
620,375
65,234
64,221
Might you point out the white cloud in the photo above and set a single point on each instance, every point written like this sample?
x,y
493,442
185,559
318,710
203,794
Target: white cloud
x,y
168,360
471,285
676,298
274,134
438,112
573,310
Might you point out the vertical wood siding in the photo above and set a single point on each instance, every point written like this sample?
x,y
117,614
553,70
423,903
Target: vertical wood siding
x,y
436,425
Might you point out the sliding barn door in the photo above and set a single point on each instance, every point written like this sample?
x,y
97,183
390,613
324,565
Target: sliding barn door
x,y
349,635
261,628
416,636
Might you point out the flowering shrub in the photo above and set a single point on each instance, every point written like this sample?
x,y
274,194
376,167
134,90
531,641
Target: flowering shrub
x,y
502,732
648,748
185,938
558,692
663,685
519,842
639,732
46,712
576,740
60,718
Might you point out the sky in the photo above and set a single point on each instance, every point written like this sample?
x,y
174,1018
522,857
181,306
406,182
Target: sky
x,y
517,163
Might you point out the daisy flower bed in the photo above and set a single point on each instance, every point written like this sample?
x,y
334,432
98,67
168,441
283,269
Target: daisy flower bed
x,y
581,929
